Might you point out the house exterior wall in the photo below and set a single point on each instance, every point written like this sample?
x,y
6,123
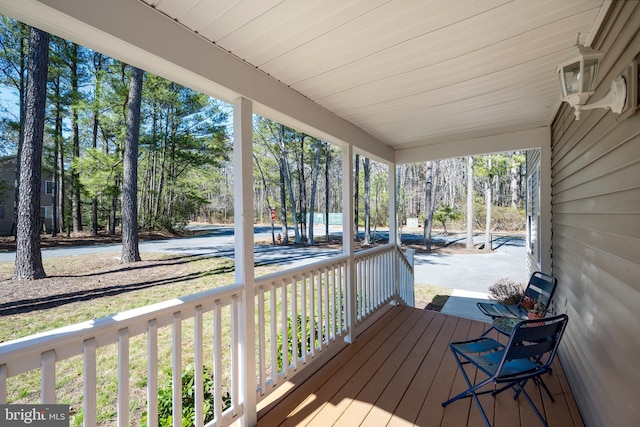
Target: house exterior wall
x,y
533,243
7,199
595,165
7,178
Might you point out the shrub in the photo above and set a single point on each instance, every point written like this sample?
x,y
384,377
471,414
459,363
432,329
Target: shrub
x,y
165,402
307,347
506,291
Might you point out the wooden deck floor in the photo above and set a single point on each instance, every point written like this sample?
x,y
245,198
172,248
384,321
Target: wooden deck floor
x,y
399,371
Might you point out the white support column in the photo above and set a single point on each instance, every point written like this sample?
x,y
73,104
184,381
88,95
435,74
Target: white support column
x,y
347,239
393,230
244,256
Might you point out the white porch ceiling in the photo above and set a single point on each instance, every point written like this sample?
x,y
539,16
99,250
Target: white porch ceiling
x,y
409,73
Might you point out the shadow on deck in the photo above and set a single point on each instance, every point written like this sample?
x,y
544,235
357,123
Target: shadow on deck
x,y
399,371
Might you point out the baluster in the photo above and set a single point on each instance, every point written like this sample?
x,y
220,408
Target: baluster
x,y
89,382
343,298
305,325
370,293
152,372
235,378
273,315
176,366
312,316
334,300
198,361
285,330
261,341
3,383
217,361
123,377
359,289
294,323
318,324
325,287
48,377
337,289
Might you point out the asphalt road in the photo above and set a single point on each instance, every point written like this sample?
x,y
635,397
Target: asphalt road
x,y
215,241
472,272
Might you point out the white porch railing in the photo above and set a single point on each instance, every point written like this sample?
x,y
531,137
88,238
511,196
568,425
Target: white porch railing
x,y
301,316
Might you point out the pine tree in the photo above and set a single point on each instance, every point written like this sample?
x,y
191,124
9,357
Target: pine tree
x,y
130,251
28,263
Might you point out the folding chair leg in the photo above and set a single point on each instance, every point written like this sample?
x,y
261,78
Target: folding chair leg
x,y
535,409
470,392
542,384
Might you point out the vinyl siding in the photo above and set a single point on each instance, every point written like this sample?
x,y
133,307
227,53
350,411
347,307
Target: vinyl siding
x,y
595,167
533,166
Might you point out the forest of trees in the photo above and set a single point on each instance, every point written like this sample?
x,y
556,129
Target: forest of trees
x,y
182,143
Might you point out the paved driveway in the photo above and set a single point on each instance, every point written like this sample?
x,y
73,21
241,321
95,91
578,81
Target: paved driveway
x,y
471,275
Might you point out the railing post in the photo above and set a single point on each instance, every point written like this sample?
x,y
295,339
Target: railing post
x,y
244,256
347,239
409,286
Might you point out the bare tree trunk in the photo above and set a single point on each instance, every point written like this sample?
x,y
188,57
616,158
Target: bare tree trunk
x,y
264,184
57,149
28,264
130,251
289,182
314,186
113,217
326,189
367,201
513,174
283,207
64,203
470,202
76,206
302,191
97,60
430,192
294,213
356,195
488,200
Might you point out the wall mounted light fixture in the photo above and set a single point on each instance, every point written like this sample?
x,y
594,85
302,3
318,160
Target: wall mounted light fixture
x,y
578,74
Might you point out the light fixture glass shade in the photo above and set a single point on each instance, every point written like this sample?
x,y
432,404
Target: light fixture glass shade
x,y
578,74
571,74
590,74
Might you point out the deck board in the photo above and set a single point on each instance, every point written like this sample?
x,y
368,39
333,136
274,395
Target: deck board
x,y
399,371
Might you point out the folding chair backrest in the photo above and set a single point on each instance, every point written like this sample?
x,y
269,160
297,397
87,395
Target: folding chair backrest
x,y
535,339
541,288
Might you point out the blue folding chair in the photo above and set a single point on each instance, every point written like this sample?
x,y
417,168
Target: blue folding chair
x,y
540,288
528,354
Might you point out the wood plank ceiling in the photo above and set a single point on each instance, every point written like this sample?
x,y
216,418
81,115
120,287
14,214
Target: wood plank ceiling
x,y
409,72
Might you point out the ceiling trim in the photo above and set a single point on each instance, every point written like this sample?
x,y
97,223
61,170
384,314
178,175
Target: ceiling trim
x,y
135,33
535,138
